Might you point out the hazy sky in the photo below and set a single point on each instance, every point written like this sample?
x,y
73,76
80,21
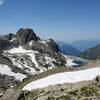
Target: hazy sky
x,y
66,20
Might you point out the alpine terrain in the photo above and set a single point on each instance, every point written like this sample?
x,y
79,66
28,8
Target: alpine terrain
x,y
24,54
35,69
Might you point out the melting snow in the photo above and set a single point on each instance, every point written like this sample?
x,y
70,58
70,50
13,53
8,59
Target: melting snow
x,y
71,63
30,43
66,77
19,50
30,53
49,61
4,69
28,69
42,42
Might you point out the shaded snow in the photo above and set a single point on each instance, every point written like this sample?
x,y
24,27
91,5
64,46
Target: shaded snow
x,y
65,77
4,69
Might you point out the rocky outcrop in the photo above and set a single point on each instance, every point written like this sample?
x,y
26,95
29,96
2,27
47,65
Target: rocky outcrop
x,y
26,35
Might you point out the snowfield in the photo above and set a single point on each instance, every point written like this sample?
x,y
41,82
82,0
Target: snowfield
x,y
65,77
4,69
19,49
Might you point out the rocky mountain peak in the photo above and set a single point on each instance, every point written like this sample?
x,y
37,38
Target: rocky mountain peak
x,y
26,35
53,45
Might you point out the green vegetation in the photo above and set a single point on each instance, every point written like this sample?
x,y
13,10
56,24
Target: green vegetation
x,y
86,92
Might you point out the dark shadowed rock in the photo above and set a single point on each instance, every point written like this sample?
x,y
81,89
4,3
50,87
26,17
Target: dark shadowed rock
x,y
52,45
4,44
97,79
10,36
26,35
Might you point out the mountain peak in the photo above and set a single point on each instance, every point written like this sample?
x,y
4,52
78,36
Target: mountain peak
x,y
26,35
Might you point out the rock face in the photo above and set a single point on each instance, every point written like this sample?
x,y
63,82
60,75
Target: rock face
x,y
26,35
4,44
24,54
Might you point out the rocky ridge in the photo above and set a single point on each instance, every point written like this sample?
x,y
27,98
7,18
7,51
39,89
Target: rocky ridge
x,y
24,54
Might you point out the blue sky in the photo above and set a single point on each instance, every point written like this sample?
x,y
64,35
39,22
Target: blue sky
x,y
65,20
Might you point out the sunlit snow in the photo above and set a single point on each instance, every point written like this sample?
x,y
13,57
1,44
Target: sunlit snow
x,y
65,77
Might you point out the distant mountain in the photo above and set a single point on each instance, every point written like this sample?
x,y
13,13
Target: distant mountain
x,y
68,49
85,44
92,53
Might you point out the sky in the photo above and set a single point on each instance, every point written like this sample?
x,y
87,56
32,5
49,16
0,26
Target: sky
x,y
63,20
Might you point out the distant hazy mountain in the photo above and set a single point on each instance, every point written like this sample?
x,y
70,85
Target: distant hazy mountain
x,y
68,49
92,53
85,44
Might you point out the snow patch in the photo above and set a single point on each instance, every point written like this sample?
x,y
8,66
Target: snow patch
x,y
49,61
12,39
44,42
70,60
4,69
65,77
71,63
30,43
19,49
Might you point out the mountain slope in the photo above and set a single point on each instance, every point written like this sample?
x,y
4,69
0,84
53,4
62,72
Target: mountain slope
x,y
24,54
91,53
69,50
85,44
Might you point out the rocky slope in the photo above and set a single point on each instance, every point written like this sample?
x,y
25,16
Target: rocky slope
x,y
88,90
24,54
92,53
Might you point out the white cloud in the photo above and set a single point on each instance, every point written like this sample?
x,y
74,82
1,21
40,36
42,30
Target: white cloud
x,y
1,2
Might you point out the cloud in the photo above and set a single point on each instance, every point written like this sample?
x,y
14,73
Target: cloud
x,y
1,2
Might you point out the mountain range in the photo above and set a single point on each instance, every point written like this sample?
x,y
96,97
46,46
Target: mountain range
x,y
92,53
67,49
75,48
